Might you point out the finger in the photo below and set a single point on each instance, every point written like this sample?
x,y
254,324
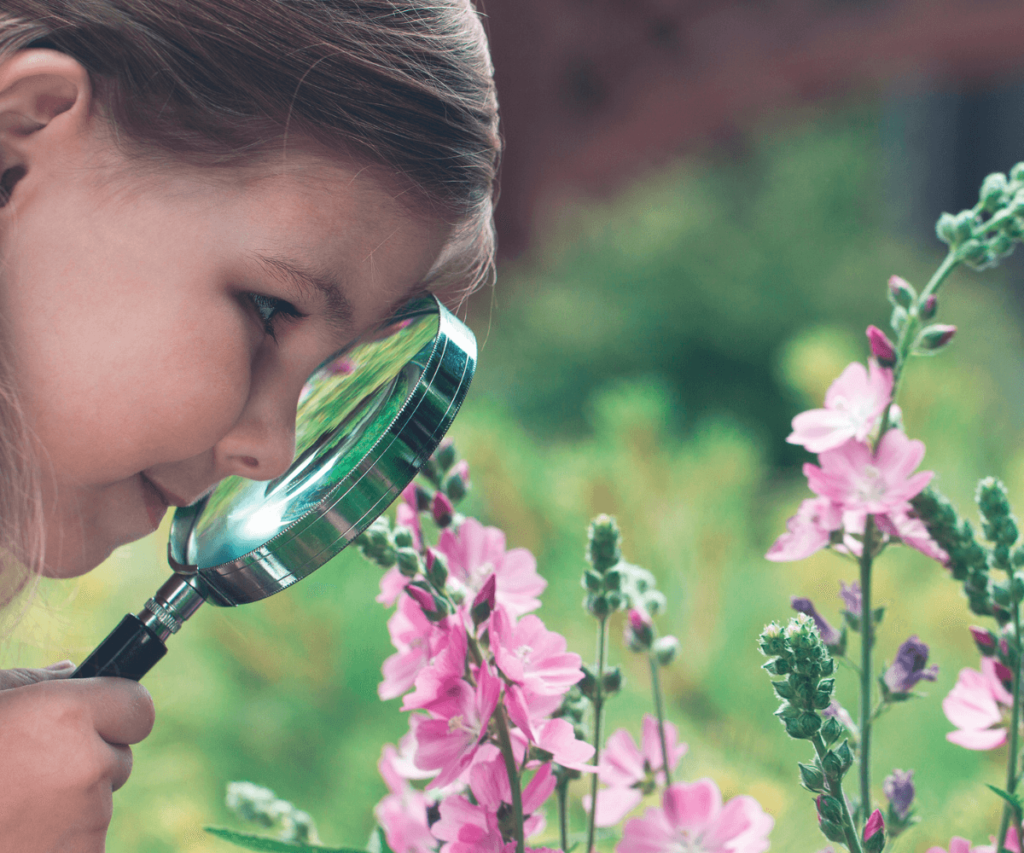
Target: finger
x,y
11,678
122,710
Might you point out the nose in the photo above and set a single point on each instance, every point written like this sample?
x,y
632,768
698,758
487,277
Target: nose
x,y
261,443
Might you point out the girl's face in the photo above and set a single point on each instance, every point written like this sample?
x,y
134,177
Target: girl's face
x,y
163,325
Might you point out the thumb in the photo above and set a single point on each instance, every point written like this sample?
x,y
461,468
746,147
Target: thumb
x,y
10,678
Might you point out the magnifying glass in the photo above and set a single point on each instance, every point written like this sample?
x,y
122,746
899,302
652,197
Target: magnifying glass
x,y
368,419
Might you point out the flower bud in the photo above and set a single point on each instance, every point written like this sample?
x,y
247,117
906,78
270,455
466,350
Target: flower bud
x,y
437,568
945,229
445,455
408,560
984,639
832,831
881,347
845,755
423,499
874,833
455,487
804,726
592,581
603,546
993,192
928,308
442,510
653,602
424,598
665,649
611,681
403,536
832,765
831,730
639,631
829,808
597,605
483,604
812,778
588,684
1017,173
898,788
772,642
933,338
901,294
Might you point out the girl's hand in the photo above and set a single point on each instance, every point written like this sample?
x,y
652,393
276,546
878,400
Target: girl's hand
x,y
63,752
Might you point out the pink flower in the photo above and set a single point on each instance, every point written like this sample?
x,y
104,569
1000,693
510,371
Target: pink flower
x,y
973,707
417,641
476,551
808,531
962,845
402,814
532,656
447,665
449,742
555,736
852,406
692,818
911,531
476,827
860,481
631,773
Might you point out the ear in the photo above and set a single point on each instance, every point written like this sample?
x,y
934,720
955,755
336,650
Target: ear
x,y
45,103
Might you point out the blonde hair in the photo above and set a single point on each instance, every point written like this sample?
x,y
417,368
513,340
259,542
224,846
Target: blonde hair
x,y
405,86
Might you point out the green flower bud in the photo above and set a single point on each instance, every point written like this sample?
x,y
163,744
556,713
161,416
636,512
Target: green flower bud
x,y
445,456
812,778
832,831
901,293
802,727
772,642
898,319
928,308
784,690
597,605
1017,173
613,580
592,581
993,192
665,649
604,541
830,808
845,756
611,681
945,229
832,765
455,487
616,601
831,730
653,602
588,684
408,560
933,338
437,568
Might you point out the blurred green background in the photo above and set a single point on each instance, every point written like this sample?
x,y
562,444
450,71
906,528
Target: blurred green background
x,y
645,361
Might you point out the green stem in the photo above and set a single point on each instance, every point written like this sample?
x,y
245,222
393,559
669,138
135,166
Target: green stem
x,y
563,819
836,790
513,775
1012,776
867,641
602,643
505,743
660,711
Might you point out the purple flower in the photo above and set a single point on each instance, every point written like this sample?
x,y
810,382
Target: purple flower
x,y
908,668
899,791
851,597
829,635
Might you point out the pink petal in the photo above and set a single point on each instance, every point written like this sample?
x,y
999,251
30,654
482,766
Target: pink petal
x,y
979,739
650,834
613,804
622,764
652,743
691,807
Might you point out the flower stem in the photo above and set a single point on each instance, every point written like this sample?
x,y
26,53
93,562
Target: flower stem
x,y
513,775
563,807
602,644
1011,762
660,711
836,790
867,641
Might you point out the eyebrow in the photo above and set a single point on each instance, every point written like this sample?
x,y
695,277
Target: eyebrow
x,y
339,309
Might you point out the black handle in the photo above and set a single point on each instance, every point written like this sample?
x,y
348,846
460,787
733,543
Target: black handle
x,y
129,651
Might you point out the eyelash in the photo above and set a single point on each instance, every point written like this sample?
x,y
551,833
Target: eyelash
x,y
270,309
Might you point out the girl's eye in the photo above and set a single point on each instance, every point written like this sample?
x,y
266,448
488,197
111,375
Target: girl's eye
x,y
271,310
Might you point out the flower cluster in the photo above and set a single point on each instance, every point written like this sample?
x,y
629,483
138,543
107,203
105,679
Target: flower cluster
x,y
859,472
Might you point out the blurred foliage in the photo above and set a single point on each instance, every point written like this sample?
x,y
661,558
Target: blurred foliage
x,y
647,366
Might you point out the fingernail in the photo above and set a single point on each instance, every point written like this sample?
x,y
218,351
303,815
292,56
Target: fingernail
x,y
57,667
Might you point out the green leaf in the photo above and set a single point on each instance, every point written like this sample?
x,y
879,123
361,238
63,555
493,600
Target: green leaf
x,y
272,845
1013,799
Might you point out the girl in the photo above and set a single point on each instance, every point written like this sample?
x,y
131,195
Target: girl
x,y
200,200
